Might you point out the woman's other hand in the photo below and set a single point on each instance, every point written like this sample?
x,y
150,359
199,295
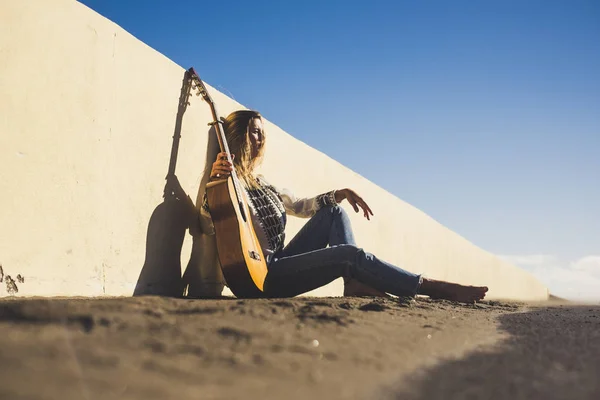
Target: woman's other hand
x,y
355,201
221,168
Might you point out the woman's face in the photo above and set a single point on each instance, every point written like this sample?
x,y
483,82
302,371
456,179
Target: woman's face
x,y
255,131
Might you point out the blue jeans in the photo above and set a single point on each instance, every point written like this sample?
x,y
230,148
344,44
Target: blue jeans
x,y
306,263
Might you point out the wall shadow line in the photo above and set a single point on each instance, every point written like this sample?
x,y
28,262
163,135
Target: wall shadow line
x,y
161,272
203,277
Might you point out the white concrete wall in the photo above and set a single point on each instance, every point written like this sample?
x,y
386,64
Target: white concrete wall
x,y
87,114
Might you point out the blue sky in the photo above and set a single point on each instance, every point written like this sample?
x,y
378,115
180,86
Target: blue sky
x,y
485,115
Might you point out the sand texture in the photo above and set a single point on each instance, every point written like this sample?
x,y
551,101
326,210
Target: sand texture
x,y
300,348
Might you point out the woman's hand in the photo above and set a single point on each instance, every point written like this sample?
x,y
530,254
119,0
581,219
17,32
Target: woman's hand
x,y
355,201
221,168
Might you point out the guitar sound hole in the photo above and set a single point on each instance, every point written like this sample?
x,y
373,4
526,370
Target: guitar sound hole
x,y
242,211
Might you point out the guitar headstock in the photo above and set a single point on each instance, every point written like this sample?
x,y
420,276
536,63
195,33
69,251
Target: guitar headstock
x,y
198,85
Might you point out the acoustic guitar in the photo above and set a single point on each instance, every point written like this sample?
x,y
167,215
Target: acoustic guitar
x,y
239,251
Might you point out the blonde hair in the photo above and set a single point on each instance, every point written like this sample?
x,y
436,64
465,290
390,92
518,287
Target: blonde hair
x,y
237,134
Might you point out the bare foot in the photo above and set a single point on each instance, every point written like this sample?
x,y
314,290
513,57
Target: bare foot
x,y
352,287
452,291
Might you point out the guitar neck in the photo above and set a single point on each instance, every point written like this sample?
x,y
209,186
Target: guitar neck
x,y
217,124
219,132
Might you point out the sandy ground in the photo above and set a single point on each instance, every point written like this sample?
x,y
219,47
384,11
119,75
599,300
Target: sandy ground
x,y
301,348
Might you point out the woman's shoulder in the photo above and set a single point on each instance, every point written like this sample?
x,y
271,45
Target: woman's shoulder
x,y
266,185
262,180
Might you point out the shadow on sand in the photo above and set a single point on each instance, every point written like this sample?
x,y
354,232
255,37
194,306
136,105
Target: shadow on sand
x,y
552,353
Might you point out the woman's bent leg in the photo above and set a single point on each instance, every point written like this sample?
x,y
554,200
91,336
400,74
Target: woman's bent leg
x,y
329,226
293,275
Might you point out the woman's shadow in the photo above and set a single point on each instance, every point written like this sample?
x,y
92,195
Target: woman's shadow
x,y
161,272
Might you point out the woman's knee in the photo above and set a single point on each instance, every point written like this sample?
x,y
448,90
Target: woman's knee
x,y
333,213
333,210
339,210
336,212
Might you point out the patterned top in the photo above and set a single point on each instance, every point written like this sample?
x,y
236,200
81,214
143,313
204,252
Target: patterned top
x,y
269,207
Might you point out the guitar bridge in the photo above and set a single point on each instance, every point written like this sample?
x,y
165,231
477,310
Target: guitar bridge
x,y
254,255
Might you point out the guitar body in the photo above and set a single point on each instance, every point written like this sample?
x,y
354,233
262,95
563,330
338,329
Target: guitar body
x,y
239,250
